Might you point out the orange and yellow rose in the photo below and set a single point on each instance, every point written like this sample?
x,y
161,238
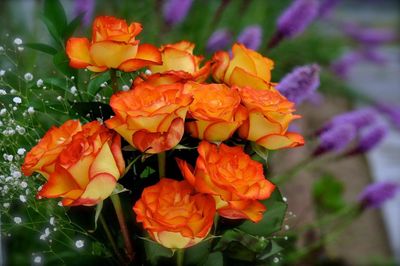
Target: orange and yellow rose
x,y
245,68
270,114
150,118
178,59
174,215
113,45
87,169
42,157
215,112
234,180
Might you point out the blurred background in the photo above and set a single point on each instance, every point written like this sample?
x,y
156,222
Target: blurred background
x,y
355,44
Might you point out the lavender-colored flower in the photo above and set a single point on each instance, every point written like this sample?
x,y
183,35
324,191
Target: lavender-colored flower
x,y
251,37
85,7
392,112
297,17
373,55
175,11
342,66
376,194
369,138
359,118
219,40
300,84
369,36
336,139
326,7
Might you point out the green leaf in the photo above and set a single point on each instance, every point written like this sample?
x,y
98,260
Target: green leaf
x,y
272,249
147,171
272,218
328,194
42,48
54,13
197,254
214,259
119,189
155,252
71,27
53,31
99,207
96,81
260,150
61,62
93,109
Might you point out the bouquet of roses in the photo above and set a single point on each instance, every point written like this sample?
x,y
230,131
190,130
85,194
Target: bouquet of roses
x,y
186,144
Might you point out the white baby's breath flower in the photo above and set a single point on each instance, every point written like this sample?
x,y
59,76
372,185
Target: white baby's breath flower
x,y
17,41
79,243
17,220
39,83
28,76
17,100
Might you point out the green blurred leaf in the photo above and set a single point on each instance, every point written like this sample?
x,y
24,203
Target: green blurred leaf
x,y
96,81
272,249
42,48
147,171
99,208
155,252
119,189
260,150
197,254
214,259
72,26
61,62
53,31
272,218
328,194
55,14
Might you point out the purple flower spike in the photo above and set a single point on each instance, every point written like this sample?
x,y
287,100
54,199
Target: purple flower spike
x,y
376,194
219,40
342,66
370,137
86,7
359,118
336,139
251,37
369,36
300,84
175,11
392,112
326,7
296,18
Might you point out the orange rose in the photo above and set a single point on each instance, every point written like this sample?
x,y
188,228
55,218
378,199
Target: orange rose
x,y
216,110
150,118
269,116
113,45
87,169
178,59
42,157
174,215
246,68
235,181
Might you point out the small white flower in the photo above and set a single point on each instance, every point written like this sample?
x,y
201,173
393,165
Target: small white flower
x,y
10,157
17,41
148,72
2,72
28,76
39,83
24,184
13,91
16,174
6,205
59,98
17,100
31,110
21,151
20,48
47,232
284,199
125,88
17,220
1,48
73,90
3,92
22,198
52,220
3,111
79,243
37,259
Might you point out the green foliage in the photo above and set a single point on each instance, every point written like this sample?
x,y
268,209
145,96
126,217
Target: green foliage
x,y
328,194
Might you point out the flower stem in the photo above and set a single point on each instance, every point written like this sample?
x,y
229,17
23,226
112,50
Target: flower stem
x,y
111,239
124,229
114,80
180,256
287,175
161,164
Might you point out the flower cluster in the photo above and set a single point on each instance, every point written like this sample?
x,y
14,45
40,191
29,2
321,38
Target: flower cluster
x,y
172,99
